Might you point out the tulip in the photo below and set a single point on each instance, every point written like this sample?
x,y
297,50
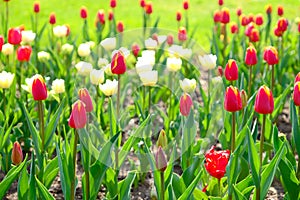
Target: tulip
x,y
251,17
282,24
6,79
170,39
97,76
143,66
264,102
174,64
60,31
39,88
188,85
185,4
268,9
161,160
148,8
297,78
208,61
58,86
220,71
216,162
43,56
83,12
238,11
149,78
234,28
231,70
52,18
1,42
120,27
142,3
78,118
271,55
85,97
84,68
185,104
14,36
232,101
277,32
182,35
150,43
178,16
244,98
102,62
254,35
162,140
23,53
7,49
84,50
110,15
107,70
280,10
36,7
225,16
118,65
109,43
259,19
28,37
244,20
101,16
296,94
113,3
17,154
220,2
135,49
217,16
124,51
251,56
67,48
109,88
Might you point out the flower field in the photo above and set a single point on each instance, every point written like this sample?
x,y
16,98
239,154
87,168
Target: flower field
x,y
103,111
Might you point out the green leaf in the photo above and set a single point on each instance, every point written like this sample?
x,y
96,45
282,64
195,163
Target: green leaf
x,y
11,176
178,185
233,169
190,189
125,185
280,101
295,125
237,194
32,186
23,185
190,173
43,192
51,172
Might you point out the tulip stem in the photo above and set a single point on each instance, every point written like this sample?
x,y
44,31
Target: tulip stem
x,y
149,105
233,133
162,189
273,78
250,80
6,25
144,98
74,166
41,123
118,116
4,103
262,135
219,186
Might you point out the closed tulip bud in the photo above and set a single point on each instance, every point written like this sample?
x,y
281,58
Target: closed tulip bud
x,y
232,101
221,2
17,154
97,76
271,55
36,7
110,15
84,68
188,85
251,17
6,79
220,71
84,50
178,16
244,20
113,3
109,88
52,18
148,8
231,70
78,118
109,43
85,97
185,104
280,10
185,4
238,11
43,56
297,78
23,53
118,64
58,86
277,32
217,16
83,12
251,56
259,19
162,140
27,37
1,42
182,35
149,78
268,9
174,64
234,28
101,16
282,24
161,160
170,39
296,94
264,102
142,3
14,36
39,88
254,35
135,49
67,48
244,98
7,49
225,16
120,27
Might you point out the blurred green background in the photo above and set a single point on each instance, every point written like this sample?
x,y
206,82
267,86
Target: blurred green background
x,y
129,11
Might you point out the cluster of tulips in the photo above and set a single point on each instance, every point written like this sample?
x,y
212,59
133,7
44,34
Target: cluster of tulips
x,y
143,107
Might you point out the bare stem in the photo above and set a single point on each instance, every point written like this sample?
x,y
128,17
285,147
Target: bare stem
x,y
233,133
273,79
162,181
149,104
250,81
74,166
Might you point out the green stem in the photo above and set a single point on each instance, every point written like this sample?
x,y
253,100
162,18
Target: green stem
x,y
144,99
233,133
4,103
273,79
208,85
262,135
162,189
250,80
74,166
118,116
219,186
149,104
41,123
7,13
87,173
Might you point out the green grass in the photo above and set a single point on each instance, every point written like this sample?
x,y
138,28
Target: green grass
x,y
128,11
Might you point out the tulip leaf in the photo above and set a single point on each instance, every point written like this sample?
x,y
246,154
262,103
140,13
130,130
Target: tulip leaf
x,y
190,189
178,185
10,177
295,125
23,185
32,182
233,169
189,174
51,172
237,194
43,192
125,185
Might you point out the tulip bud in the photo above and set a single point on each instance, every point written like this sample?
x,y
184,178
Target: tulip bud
x,y
232,101
118,64
271,55
1,42
220,71
225,16
234,28
36,7
84,50
185,4
251,57
135,49
188,85
110,15
259,19
142,3
264,102
14,36
170,39
268,9
231,70
83,12
113,3
78,118
251,17
178,16
277,32
282,24
161,160
58,86
6,79
217,16
244,20
221,2
162,140
174,64
182,35
185,104
148,8
280,10
39,89
23,53
52,18
254,35
296,94
208,62
120,27
299,27
239,11
17,154
297,78
7,49
85,97
244,98
101,17
149,78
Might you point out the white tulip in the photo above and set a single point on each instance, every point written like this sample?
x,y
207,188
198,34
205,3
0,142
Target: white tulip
x,y
97,76
7,49
208,61
150,43
67,48
149,78
109,87
28,36
109,43
174,64
43,56
58,86
84,50
102,62
148,53
6,79
60,31
142,67
188,85
29,81
84,68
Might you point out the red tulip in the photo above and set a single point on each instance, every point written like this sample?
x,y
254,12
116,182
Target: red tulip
x,y
161,160
231,70
277,32
225,16
299,27
248,29
85,97
251,17
269,9
297,78
135,49
251,56
17,154
221,2
170,39
118,65
14,36
101,16
254,35
216,162
142,3
259,19
148,8
239,12
39,88
52,18
264,102
23,53
232,101
271,55
182,36
296,94
280,10
185,5
217,16
244,20
83,12
234,28
110,15
282,24
220,71
113,3
185,104
120,27
36,7
1,42
78,118
178,16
